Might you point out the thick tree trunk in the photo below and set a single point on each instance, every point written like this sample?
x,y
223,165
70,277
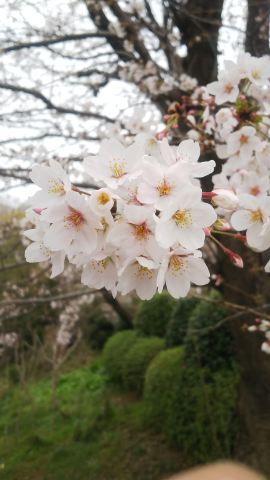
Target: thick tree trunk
x,y
254,395
199,22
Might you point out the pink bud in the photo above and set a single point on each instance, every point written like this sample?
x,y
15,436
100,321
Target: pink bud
x,y
162,135
195,103
175,125
222,225
207,232
38,210
242,97
191,112
225,199
167,117
235,259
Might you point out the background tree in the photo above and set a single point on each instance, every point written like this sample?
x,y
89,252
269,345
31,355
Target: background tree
x,y
60,64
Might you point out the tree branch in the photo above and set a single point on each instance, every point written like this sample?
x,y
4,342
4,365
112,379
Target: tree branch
x,y
64,38
50,105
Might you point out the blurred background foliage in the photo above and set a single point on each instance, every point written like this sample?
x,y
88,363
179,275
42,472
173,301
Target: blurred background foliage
x,y
126,403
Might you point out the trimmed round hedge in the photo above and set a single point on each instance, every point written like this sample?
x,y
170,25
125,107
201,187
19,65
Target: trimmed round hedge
x,y
194,409
213,349
136,361
114,352
153,315
178,325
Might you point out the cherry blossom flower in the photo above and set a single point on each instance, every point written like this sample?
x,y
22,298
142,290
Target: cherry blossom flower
x,y
115,164
180,267
102,201
101,272
187,152
223,115
38,252
258,71
139,274
253,185
244,141
72,223
160,184
183,221
54,184
226,88
253,218
263,156
134,235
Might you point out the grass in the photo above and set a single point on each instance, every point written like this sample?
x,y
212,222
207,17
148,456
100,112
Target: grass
x,y
101,436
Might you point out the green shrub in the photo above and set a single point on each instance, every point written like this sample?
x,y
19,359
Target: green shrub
x,y
114,353
136,361
175,333
153,315
196,411
97,329
213,349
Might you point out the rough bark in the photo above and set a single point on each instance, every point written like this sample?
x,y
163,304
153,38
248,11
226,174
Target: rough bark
x,y
199,23
254,393
257,31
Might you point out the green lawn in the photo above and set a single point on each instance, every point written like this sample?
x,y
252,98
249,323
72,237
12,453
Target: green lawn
x,y
101,436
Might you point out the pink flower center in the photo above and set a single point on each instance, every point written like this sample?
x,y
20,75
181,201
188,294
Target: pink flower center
x,y
228,88
74,219
255,191
243,139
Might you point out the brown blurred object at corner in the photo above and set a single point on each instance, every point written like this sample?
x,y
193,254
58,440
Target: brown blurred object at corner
x,y
219,471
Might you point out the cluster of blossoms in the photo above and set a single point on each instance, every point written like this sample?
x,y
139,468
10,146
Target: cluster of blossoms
x,y
142,231
144,228
149,78
231,117
242,138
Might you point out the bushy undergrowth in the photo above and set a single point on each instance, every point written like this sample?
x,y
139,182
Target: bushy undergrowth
x,y
136,361
114,352
214,348
153,315
195,409
179,322
97,329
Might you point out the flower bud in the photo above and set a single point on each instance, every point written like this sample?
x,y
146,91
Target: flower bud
x,y
235,259
222,225
207,232
162,135
242,97
225,199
